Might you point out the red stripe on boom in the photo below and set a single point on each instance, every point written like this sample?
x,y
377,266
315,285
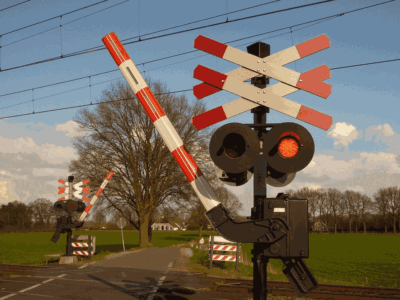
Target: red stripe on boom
x,y
210,46
150,104
109,175
88,208
315,118
86,181
314,45
115,48
187,163
209,118
210,76
203,90
99,192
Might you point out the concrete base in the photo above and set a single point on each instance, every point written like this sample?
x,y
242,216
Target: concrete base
x,y
65,260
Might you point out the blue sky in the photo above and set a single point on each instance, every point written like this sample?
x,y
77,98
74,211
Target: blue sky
x,y
360,151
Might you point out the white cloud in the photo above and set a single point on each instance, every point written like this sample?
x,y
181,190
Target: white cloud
x,y
48,152
384,135
71,128
343,133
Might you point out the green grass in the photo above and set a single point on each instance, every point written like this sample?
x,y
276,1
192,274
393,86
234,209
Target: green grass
x,y
334,259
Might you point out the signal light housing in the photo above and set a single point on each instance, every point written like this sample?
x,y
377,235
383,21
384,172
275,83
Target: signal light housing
x,y
234,148
70,206
281,152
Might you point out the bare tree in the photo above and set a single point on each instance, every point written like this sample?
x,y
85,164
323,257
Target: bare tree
x,y
366,205
382,205
393,198
43,211
333,198
122,138
350,197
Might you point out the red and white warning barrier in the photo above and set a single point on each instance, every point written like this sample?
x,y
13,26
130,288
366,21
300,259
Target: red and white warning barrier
x,y
223,248
90,245
94,199
161,121
225,257
215,244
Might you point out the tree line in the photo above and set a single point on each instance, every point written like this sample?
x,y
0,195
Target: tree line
x,y
353,211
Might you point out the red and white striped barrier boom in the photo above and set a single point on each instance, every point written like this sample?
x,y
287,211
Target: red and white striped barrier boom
x,y
94,199
161,121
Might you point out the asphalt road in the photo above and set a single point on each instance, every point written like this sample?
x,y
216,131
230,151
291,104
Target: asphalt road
x,y
146,274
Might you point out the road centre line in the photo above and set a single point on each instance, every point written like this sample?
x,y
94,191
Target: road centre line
x,y
32,287
159,283
85,265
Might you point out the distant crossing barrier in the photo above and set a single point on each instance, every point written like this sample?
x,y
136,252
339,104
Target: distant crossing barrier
x,y
217,244
90,245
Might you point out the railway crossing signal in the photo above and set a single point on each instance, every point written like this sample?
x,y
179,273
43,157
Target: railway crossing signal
x,y
278,226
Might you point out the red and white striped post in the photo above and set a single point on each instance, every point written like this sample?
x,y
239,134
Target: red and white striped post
x,y
94,199
161,121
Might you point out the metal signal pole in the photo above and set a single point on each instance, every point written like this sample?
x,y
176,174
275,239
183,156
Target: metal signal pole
x,y
260,262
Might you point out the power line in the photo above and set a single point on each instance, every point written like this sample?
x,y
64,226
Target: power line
x,y
205,19
71,107
65,23
83,105
372,63
52,18
168,34
176,55
14,5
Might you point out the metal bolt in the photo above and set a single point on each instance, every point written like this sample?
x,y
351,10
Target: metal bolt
x,y
264,92
258,61
300,80
264,70
264,61
258,92
258,70
222,80
258,101
264,101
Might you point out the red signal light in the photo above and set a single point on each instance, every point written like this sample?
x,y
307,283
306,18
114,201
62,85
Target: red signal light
x,y
289,144
288,147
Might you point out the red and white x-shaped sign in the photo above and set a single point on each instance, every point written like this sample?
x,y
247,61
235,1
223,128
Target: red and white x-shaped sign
x,y
272,96
77,193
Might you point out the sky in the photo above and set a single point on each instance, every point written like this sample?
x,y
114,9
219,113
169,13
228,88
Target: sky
x,y
359,152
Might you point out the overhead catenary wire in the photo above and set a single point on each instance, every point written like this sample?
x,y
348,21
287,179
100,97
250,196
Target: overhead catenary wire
x,y
14,5
25,38
192,51
3,34
167,34
181,91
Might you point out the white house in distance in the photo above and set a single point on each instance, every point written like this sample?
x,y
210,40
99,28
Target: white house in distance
x,y
163,226
167,226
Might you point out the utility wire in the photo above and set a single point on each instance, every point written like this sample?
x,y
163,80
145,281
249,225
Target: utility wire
x,y
176,55
53,18
168,34
83,105
15,5
71,107
65,23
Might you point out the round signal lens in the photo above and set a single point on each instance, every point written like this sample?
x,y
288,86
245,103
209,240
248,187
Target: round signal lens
x,y
72,206
288,147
